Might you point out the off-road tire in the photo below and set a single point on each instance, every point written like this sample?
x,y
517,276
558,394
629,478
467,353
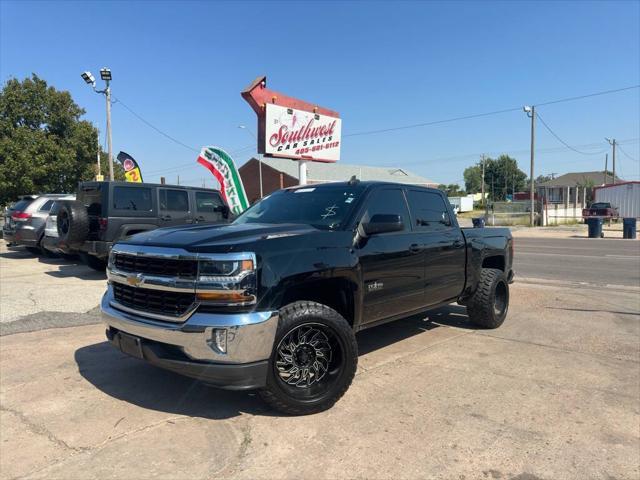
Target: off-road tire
x,y
298,314
94,262
481,308
73,222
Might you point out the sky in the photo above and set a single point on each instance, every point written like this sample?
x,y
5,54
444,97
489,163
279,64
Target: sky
x,y
182,65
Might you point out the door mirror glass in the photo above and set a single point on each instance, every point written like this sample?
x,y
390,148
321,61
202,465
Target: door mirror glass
x,y
383,223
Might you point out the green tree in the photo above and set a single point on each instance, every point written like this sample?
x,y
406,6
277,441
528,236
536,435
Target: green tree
x,y
473,179
452,190
44,145
503,177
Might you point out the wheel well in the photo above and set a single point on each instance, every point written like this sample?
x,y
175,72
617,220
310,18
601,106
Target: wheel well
x,y
334,293
496,262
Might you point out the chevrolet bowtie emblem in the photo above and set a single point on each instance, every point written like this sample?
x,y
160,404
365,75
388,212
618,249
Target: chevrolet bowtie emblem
x,y
135,280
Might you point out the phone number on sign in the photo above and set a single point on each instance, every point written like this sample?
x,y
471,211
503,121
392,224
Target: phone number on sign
x,y
316,148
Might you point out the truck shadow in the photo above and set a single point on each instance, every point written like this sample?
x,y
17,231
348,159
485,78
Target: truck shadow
x,y
135,382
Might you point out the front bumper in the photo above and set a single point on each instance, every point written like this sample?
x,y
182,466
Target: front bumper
x,y
187,348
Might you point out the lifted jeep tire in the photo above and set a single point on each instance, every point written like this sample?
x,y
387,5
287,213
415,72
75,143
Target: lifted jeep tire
x,y
314,359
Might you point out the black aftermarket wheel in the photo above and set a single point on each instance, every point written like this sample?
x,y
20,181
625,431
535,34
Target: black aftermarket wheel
x,y
314,359
72,222
489,305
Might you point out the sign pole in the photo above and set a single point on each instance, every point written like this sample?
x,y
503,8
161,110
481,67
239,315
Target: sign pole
x,y
302,172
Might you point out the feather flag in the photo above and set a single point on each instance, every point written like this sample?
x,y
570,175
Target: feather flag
x,y
222,166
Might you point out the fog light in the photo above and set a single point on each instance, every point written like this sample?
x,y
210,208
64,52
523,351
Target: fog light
x,y
219,340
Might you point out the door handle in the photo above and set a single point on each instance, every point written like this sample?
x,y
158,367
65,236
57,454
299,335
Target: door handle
x,y
165,218
415,248
200,219
458,244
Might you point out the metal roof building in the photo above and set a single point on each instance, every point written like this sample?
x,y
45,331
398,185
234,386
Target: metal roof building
x,y
280,173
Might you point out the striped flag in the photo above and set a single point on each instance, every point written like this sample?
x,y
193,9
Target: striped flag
x,y
221,165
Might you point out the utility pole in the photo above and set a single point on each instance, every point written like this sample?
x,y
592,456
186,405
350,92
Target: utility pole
x,y
109,143
531,113
243,127
105,74
483,199
612,142
606,162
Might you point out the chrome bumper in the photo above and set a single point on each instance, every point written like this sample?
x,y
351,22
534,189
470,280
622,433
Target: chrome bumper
x,y
250,336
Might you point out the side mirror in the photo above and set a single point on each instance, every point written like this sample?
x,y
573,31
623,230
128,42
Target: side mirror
x,y
383,223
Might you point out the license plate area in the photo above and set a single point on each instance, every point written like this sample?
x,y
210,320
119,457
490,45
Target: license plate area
x,y
130,345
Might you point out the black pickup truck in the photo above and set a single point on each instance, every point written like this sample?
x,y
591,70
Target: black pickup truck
x,y
273,300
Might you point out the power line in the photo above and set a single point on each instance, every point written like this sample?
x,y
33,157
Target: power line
x,y
193,164
155,128
625,153
436,122
563,142
485,114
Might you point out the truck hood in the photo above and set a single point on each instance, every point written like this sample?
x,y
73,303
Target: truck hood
x,y
194,237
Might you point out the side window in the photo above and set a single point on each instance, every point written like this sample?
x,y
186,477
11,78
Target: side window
x,y
132,198
428,210
47,206
174,200
207,202
387,202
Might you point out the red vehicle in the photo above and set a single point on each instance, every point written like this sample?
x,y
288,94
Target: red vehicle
x,y
601,209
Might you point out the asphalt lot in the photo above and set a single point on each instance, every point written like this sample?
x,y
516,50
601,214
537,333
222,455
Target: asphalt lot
x,y
594,261
552,394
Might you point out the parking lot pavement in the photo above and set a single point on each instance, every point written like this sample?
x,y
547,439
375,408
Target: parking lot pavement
x,y
554,393
31,286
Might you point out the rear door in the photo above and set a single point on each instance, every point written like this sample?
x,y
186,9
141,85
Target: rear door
x,y
207,205
174,207
442,242
392,265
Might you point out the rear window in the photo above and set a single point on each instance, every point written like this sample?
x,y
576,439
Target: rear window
x,y
132,198
47,205
207,201
20,205
601,205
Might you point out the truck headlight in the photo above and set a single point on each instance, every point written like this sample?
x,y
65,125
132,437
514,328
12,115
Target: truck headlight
x,y
227,279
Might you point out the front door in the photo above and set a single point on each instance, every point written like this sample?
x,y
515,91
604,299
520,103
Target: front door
x,y
392,264
174,207
444,247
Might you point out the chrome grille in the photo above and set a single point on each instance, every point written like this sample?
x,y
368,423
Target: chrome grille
x,y
162,302
166,267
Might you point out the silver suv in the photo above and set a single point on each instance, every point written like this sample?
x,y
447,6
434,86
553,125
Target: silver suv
x,y
25,220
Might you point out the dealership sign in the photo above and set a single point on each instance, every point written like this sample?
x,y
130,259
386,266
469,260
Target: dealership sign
x,y
292,128
293,133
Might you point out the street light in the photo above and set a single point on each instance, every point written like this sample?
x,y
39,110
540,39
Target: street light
x,y
531,113
105,74
89,78
243,127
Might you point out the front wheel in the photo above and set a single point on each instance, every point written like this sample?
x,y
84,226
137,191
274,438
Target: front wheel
x,y
313,362
489,305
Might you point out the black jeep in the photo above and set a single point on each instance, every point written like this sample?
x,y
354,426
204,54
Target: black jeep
x,y
106,212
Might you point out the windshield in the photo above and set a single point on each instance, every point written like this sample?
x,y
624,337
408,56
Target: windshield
x,y
601,205
325,207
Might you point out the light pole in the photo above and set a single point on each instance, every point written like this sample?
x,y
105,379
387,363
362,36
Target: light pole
x,y
105,74
531,113
613,157
243,127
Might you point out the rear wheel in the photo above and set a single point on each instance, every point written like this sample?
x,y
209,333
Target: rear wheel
x,y
489,305
313,362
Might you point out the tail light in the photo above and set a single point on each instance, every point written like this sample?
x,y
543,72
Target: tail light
x,y
20,216
103,223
